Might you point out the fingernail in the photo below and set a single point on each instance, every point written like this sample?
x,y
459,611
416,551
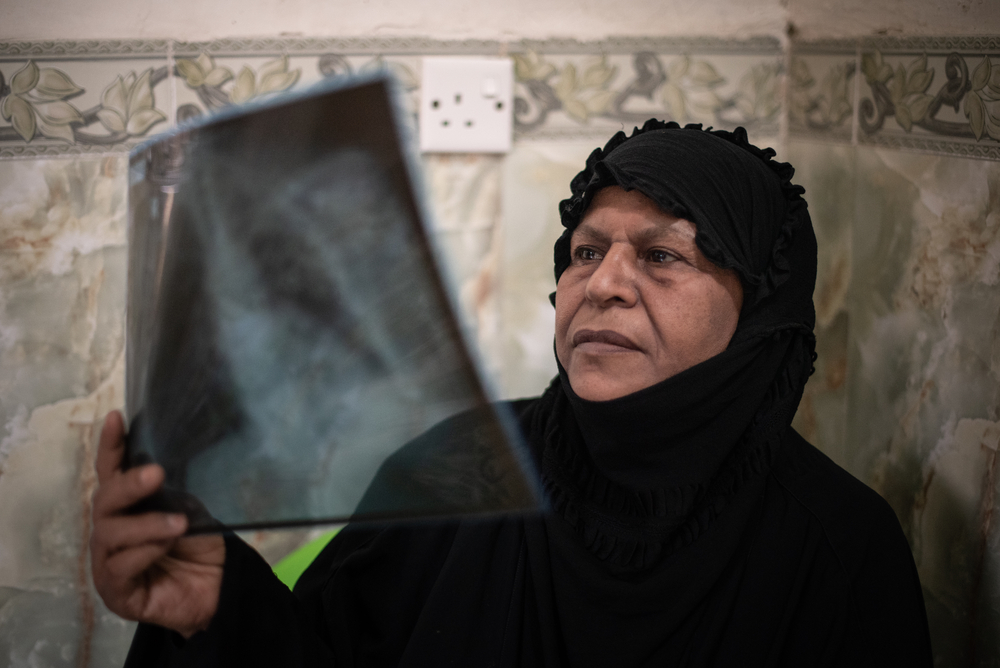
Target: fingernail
x,y
176,522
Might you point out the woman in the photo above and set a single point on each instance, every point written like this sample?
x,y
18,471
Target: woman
x,y
690,525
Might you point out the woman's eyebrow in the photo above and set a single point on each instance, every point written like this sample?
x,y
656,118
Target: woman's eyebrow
x,y
672,233
591,234
654,233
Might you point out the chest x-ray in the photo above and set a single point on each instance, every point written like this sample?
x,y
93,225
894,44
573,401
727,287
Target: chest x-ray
x,y
289,333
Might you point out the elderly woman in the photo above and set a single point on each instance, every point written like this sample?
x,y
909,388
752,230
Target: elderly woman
x,y
689,524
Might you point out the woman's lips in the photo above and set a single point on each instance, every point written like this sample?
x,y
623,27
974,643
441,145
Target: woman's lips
x,y
602,341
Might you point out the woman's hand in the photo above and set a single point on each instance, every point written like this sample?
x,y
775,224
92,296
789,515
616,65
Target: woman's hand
x,y
144,568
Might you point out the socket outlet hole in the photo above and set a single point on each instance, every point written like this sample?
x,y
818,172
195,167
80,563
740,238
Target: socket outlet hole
x,y
435,104
458,98
468,123
499,106
445,122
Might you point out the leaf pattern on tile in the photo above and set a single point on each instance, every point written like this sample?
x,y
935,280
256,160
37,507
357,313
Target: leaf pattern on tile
x,y
903,92
37,104
272,77
127,106
684,89
758,97
982,102
587,94
822,105
202,71
217,87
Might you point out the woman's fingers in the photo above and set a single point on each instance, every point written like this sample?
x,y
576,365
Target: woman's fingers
x,y
123,548
125,566
120,489
123,580
124,488
121,532
143,567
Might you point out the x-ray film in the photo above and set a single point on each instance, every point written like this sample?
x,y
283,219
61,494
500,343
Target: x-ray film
x,y
293,356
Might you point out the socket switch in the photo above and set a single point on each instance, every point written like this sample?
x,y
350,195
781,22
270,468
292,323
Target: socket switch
x,y
466,105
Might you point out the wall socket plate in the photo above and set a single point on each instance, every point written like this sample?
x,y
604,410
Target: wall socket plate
x,y
466,105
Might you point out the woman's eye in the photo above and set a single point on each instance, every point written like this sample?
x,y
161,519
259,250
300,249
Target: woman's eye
x,y
587,254
660,256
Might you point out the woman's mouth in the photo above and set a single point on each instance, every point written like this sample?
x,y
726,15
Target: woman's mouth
x,y
602,341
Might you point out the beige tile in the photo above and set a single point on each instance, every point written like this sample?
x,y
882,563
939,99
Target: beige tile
x,y
827,173
924,374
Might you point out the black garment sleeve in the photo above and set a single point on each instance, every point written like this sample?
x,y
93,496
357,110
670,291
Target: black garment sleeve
x,y
258,622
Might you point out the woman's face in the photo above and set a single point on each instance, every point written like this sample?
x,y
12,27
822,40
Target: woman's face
x,y
639,302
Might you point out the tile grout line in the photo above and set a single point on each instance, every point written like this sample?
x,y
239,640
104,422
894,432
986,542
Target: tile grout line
x,y
855,122
173,83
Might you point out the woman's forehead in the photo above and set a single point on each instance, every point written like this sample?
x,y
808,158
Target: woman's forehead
x,y
614,210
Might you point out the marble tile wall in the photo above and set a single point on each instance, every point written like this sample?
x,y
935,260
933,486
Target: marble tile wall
x,y
894,140
62,274
907,389
827,173
924,377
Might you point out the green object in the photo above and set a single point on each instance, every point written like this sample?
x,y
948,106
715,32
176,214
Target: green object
x,y
295,564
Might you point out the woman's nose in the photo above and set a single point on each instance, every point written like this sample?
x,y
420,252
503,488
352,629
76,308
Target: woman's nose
x,y
614,280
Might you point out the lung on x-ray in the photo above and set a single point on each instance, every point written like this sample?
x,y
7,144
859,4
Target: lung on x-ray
x,y
293,356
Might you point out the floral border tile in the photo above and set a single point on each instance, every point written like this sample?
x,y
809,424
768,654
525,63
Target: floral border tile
x,y
52,103
914,97
573,90
207,82
821,94
929,94
620,81
565,88
579,95
210,80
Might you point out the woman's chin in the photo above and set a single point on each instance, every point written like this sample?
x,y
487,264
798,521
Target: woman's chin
x,y
598,386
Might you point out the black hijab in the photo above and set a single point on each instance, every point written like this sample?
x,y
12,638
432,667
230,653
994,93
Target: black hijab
x,y
642,475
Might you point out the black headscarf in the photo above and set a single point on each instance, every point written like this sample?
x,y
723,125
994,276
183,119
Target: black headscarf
x,y
746,210
645,474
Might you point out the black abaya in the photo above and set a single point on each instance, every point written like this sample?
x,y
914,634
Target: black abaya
x,y
808,567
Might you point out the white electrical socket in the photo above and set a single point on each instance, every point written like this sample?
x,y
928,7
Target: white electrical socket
x,y
466,105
